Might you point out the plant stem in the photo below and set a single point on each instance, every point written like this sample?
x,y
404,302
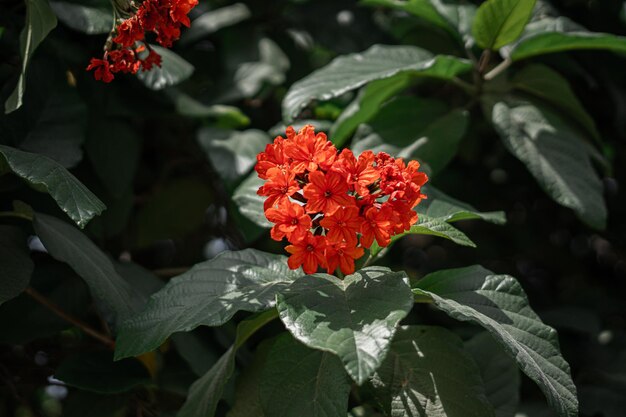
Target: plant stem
x,y
498,69
65,316
16,215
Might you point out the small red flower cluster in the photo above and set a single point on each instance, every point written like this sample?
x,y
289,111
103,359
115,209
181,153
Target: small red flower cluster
x,y
162,17
331,205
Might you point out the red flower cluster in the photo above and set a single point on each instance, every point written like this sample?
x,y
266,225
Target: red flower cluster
x,y
162,17
330,205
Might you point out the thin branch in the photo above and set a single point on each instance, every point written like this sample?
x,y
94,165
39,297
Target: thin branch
x,y
498,69
16,215
67,317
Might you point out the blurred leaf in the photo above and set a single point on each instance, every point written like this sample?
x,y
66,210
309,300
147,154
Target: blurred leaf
x,y
554,153
499,304
90,404
178,207
232,153
352,71
207,391
424,9
209,294
214,20
366,105
430,226
500,22
60,129
173,70
297,381
247,401
499,373
67,244
23,319
114,149
442,206
188,106
16,267
249,202
45,175
550,35
427,373
547,84
280,128
96,372
195,351
40,20
354,318
93,18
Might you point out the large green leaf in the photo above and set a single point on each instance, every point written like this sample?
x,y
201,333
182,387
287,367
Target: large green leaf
x,y
354,318
247,402
40,20
366,105
213,20
498,372
96,372
499,304
208,294
249,202
428,374
432,226
206,392
443,207
352,71
16,267
550,35
555,153
47,176
173,70
500,22
413,128
297,381
92,18
232,153
67,244
543,82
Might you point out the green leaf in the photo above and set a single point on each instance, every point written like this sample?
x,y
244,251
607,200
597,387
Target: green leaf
x,y
413,128
173,70
249,202
190,107
352,71
545,83
198,354
498,372
92,19
208,294
297,381
430,226
232,153
214,20
16,267
67,244
366,105
40,20
427,373
499,304
354,318
445,208
554,153
500,22
424,9
114,149
206,392
96,372
550,35
47,176
247,402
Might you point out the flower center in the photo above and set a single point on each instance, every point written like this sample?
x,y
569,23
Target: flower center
x,y
294,221
327,194
310,248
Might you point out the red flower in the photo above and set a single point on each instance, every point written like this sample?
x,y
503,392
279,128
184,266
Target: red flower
x,y
308,253
291,221
308,150
124,60
273,157
359,173
151,60
377,225
326,192
102,70
279,187
342,224
180,9
342,255
128,32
